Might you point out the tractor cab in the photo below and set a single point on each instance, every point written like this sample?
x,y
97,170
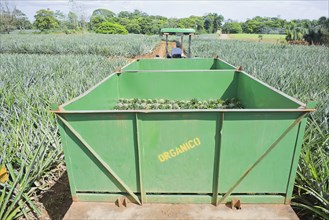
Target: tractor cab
x,y
178,32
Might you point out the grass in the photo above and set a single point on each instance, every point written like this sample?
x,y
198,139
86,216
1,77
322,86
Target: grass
x,y
30,146
271,38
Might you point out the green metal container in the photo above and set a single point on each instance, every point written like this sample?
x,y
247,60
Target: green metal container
x,y
178,64
182,156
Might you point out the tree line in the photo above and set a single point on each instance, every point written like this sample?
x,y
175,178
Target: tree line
x,y
138,22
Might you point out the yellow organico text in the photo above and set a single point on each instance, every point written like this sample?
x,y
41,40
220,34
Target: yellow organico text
x,y
174,152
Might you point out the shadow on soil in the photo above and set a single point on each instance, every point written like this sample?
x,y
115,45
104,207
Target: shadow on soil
x,y
57,200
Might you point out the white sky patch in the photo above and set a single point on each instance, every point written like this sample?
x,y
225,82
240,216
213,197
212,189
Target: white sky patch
x,y
235,10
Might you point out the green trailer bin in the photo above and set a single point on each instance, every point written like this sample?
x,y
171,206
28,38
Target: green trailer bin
x,y
177,64
185,155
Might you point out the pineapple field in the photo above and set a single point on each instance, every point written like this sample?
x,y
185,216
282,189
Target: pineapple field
x,y
38,70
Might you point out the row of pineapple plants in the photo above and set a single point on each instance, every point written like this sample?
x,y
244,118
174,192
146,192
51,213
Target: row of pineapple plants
x,y
97,44
30,146
166,104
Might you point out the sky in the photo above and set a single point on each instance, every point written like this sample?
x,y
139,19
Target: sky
x,y
235,10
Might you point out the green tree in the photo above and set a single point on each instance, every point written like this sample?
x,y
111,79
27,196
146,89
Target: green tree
x,y
253,26
218,19
22,22
208,23
259,25
45,20
232,27
12,19
99,16
104,12
61,18
133,27
318,31
145,24
213,22
198,23
295,30
95,21
72,21
125,14
138,13
111,28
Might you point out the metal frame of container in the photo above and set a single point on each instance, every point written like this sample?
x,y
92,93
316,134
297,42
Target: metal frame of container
x,y
181,32
185,155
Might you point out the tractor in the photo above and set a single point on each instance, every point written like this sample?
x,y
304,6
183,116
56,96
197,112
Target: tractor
x,y
178,32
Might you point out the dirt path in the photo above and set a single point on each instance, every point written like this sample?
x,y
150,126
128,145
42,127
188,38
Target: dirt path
x,y
160,50
224,36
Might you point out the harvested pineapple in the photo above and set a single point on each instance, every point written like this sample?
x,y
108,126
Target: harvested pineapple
x,y
162,104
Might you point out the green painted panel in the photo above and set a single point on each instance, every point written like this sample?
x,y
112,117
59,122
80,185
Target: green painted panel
x,y
67,155
178,152
99,197
102,97
245,137
132,66
112,136
183,199
182,174
220,64
178,85
251,199
254,94
178,64
195,199
295,160
178,30
179,199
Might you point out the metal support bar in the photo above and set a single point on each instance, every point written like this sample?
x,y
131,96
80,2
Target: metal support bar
x,y
294,161
262,156
189,46
100,160
167,45
68,163
141,188
181,42
217,156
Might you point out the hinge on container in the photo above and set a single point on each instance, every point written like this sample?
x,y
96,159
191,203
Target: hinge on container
x,y
239,68
122,202
235,203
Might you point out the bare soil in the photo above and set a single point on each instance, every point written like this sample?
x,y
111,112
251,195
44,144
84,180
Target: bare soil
x,y
224,36
92,210
57,200
159,50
